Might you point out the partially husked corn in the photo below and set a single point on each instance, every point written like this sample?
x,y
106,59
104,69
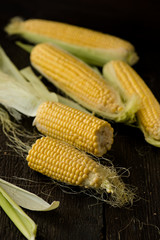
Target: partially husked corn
x,y
95,47
82,130
75,78
64,163
130,83
79,81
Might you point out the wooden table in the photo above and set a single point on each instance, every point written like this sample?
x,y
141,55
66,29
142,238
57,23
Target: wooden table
x,y
81,217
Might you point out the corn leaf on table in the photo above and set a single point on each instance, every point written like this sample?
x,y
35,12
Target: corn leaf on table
x,y
80,215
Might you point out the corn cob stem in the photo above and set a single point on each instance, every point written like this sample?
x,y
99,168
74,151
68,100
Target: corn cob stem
x,y
129,83
64,163
94,47
81,82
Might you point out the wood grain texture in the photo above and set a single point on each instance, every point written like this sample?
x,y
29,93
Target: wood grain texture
x,y
81,216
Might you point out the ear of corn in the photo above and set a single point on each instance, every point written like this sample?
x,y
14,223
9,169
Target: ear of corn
x,y
64,163
94,47
82,130
129,83
80,82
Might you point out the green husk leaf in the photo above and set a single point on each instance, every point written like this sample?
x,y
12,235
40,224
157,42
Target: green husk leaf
x,y
95,56
27,199
38,87
17,95
15,91
7,66
24,46
22,221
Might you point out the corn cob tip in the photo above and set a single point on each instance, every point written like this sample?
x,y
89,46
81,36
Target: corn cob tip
x,y
118,194
14,26
132,58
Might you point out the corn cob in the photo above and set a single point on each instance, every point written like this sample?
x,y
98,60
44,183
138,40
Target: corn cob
x,y
94,47
82,130
130,83
80,82
64,163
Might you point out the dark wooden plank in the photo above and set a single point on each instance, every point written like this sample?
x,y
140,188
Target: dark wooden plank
x,y
79,215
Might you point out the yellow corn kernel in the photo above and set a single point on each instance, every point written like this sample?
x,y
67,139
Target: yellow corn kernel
x,y
130,83
79,81
59,166
95,47
80,129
